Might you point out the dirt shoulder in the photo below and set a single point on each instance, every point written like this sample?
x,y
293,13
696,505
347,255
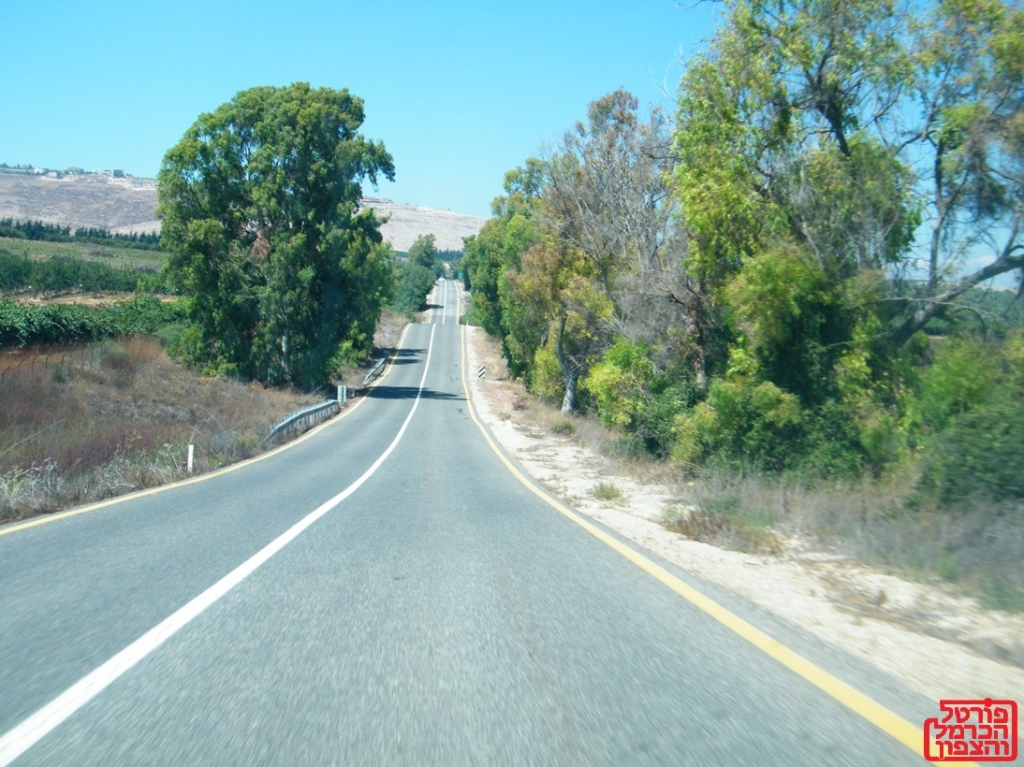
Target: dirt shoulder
x,y
936,642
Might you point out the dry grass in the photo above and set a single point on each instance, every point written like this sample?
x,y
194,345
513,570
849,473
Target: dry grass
x,y
606,491
116,417
978,546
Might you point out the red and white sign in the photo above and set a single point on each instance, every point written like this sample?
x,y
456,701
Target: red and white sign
x,y
969,730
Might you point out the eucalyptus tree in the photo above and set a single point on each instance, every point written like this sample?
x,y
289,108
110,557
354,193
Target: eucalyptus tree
x,y
608,260
967,86
815,137
835,126
285,273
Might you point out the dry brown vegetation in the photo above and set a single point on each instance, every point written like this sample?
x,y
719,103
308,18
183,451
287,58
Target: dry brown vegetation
x,y
86,424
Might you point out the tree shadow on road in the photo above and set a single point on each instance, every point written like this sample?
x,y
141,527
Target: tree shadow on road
x,y
403,356
409,392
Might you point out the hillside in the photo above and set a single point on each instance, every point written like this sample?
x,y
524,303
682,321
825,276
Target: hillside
x,y
118,204
129,205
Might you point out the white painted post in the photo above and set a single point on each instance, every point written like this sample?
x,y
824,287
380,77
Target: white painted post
x,y
190,453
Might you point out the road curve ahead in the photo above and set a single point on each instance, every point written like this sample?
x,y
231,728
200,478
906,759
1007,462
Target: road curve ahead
x,y
387,592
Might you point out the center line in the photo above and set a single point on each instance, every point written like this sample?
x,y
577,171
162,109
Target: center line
x,y
39,724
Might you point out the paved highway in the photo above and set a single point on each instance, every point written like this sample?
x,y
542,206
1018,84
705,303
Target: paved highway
x,y
387,591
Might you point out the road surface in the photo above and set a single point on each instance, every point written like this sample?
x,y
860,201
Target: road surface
x,y
387,591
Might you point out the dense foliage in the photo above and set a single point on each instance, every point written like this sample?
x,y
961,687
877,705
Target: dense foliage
x,y
285,275
38,231
64,274
415,277
424,253
23,325
412,283
789,277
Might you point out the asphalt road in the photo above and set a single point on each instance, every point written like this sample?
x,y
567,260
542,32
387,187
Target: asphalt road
x,y
439,612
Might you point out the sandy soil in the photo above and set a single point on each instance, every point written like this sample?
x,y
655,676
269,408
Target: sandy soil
x,y
938,643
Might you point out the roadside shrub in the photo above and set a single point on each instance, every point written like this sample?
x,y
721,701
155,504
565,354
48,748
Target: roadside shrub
x,y
605,491
63,274
24,325
979,455
412,284
726,512
169,334
546,376
655,419
618,383
747,422
961,377
832,443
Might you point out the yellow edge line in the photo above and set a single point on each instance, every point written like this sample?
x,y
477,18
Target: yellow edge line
x,y
45,520
887,721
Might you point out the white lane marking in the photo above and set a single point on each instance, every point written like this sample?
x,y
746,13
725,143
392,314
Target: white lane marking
x,y
39,724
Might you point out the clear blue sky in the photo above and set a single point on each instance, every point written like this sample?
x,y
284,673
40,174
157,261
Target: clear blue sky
x,y
459,92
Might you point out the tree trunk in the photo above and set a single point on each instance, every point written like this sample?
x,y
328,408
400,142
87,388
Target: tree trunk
x,y
569,400
570,372
284,357
700,368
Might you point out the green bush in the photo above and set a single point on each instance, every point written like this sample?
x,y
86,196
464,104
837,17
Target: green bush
x,y
546,376
24,325
63,273
655,419
979,455
605,491
746,422
961,377
832,442
412,284
619,382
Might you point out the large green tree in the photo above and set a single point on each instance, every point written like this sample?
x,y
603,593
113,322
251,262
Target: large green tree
x,y
285,273
814,138
423,252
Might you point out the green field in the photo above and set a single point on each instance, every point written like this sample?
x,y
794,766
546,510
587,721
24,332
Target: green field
x,y
116,257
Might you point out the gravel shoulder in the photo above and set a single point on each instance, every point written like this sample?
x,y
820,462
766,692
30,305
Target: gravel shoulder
x,y
936,642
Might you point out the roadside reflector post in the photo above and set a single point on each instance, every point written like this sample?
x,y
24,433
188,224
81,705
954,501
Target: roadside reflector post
x,y
191,449
342,393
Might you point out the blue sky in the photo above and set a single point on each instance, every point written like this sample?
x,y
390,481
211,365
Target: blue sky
x,y
459,92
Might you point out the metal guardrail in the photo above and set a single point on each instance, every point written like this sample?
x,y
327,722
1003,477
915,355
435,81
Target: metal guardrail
x,y
374,370
312,415
308,416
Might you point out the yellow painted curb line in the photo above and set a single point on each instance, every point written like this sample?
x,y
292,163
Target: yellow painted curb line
x,y
887,721
45,520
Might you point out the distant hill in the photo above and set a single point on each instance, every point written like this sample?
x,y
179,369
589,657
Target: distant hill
x,y
94,200
128,204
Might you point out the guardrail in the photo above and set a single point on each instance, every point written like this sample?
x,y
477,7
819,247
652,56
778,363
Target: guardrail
x,y
308,416
374,370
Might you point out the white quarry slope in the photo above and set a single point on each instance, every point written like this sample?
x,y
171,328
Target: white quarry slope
x,y
129,205
405,223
